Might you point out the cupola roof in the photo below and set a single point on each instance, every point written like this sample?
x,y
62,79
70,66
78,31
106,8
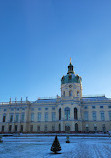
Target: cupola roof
x,y
71,77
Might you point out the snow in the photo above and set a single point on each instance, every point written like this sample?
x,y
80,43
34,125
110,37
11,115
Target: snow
x,y
60,134
39,147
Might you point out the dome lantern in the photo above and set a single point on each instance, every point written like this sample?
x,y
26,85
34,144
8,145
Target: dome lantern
x,y
70,68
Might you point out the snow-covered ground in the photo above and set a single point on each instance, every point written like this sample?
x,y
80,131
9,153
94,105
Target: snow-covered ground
x,y
39,147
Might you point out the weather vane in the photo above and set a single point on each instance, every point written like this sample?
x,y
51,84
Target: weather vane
x,y
70,59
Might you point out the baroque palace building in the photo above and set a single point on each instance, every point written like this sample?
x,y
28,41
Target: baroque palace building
x,y
69,113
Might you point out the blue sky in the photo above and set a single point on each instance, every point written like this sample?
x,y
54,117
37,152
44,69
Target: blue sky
x,y
37,39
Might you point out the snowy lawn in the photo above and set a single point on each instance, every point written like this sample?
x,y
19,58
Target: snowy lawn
x,y
39,147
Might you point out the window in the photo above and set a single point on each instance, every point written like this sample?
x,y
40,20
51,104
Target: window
x,y
38,128
17,109
5,109
60,114
85,107
53,108
77,93
64,93
101,107
32,117
103,128
110,115
75,113
95,128
53,128
15,128
87,129
45,128
4,117
93,107
11,117
76,127
109,107
2,128
86,115
10,128
39,109
46,116
53,116
46,108
22,117
70,93
21,128
102,116
94,115
32,109
31,128
67,113
16,117
39,116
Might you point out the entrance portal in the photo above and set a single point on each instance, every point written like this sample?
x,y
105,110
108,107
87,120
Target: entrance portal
x,y
67,129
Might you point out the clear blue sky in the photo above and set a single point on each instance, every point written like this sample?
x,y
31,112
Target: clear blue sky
x,y
37,39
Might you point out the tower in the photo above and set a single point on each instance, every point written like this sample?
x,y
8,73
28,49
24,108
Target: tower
x,y
71,85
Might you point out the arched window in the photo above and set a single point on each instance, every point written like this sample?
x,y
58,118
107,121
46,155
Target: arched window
x,y
64,93
60,114
70,93
77,93
4,117
75,114
87,128
67,113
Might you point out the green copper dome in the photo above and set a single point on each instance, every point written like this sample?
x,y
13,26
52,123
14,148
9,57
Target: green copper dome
x,y
71,77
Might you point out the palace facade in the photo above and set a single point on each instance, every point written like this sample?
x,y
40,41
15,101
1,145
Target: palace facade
x,y
69,113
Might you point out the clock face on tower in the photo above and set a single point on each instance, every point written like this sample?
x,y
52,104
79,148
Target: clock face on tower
x,y
70,86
